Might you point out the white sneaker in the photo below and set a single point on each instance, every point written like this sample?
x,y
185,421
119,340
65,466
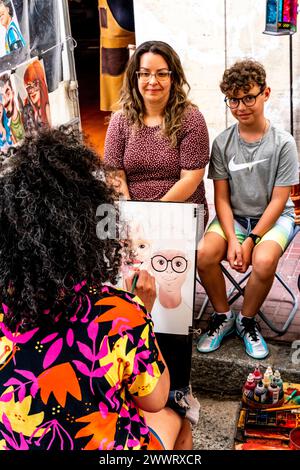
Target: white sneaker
x,y
219,326
249,330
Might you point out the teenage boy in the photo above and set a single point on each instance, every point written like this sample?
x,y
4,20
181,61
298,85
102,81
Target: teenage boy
x,y
253,165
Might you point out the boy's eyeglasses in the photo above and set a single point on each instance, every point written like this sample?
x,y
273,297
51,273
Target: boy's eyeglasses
x,y
160,76
248,100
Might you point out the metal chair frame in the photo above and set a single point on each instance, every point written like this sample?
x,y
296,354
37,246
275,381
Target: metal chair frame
x,y
237,285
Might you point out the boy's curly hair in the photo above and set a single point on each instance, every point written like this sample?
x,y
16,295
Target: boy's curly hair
x,y
50,188
242,76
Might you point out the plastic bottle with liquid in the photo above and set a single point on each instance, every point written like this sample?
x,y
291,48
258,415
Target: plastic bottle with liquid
x,y
267,376
279,382
273,392
249,386
260,392
257,374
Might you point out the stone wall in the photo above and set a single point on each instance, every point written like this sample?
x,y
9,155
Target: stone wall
x,y
210,35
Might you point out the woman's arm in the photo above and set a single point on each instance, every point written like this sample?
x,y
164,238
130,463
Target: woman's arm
x,y
117,179
146,290
184,188
157,399
193,156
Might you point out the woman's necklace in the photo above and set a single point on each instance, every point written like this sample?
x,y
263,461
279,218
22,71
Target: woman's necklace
x,y
250,158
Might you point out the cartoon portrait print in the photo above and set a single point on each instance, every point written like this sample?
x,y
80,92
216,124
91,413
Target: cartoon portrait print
x,y
5,132
9,28
11,109
36,102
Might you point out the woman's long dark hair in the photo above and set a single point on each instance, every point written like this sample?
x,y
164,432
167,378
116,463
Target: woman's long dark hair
x,y
50,189
131,102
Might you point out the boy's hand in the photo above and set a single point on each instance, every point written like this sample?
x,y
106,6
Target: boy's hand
x,y
235,254
145,288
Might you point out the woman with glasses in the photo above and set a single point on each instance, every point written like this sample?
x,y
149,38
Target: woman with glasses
x,y
157,141
157,144
253,165
36,105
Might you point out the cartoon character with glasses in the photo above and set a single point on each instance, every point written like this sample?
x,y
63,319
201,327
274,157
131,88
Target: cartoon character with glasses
x,y
170,268
36,104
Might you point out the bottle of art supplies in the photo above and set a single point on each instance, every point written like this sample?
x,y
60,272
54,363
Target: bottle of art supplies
x,y
257,374
267,376
279,382
260,392
273,392
249,386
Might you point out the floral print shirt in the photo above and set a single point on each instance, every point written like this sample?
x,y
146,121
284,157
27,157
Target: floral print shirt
x,y
70,385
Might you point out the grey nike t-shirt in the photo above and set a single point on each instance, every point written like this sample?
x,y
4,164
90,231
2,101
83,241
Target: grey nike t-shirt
x,y
253,169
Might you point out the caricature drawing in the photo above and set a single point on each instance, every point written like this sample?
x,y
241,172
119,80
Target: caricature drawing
x,y
13,37
11,108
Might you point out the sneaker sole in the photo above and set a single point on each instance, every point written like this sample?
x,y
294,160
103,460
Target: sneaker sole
x,y
215,349
250,355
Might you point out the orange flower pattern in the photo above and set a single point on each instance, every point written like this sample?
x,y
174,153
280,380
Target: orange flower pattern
x,y
72,383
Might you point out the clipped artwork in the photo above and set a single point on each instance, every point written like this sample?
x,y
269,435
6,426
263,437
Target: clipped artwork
x,y
11,38
11,125
33,97
163,242
24,102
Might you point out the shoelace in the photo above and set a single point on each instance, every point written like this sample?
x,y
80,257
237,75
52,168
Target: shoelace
x,y
215,322
251,327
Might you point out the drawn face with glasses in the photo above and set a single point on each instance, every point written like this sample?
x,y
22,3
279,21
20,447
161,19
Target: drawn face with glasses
x,y
170,268
160,264
33,91
247,100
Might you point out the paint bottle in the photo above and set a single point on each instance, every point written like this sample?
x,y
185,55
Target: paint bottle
x,y
260,392
273,392
249,386
257,374
267,376
279,382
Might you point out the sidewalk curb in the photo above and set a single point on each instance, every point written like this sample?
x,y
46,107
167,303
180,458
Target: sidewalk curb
x,y
224,371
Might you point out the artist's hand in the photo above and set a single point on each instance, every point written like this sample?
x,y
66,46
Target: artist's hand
x,y
145,288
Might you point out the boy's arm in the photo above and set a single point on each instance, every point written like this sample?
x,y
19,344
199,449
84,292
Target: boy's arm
x,y
272,212
225,216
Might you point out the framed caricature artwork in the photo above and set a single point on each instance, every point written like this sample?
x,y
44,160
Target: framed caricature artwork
x,y
163,239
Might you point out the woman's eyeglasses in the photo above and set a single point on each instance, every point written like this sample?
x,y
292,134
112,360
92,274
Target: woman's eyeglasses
x,y
160,76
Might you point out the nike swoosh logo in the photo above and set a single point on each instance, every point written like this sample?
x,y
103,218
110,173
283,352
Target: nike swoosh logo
x,y
232,166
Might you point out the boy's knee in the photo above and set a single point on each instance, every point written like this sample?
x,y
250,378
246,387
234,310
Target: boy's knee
x,y
264,266
207,256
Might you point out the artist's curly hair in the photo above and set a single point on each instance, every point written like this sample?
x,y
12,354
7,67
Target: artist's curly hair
x,y
131,102
242,76
50,189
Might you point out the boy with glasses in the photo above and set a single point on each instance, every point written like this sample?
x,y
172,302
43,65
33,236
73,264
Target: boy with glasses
x,y
253,165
